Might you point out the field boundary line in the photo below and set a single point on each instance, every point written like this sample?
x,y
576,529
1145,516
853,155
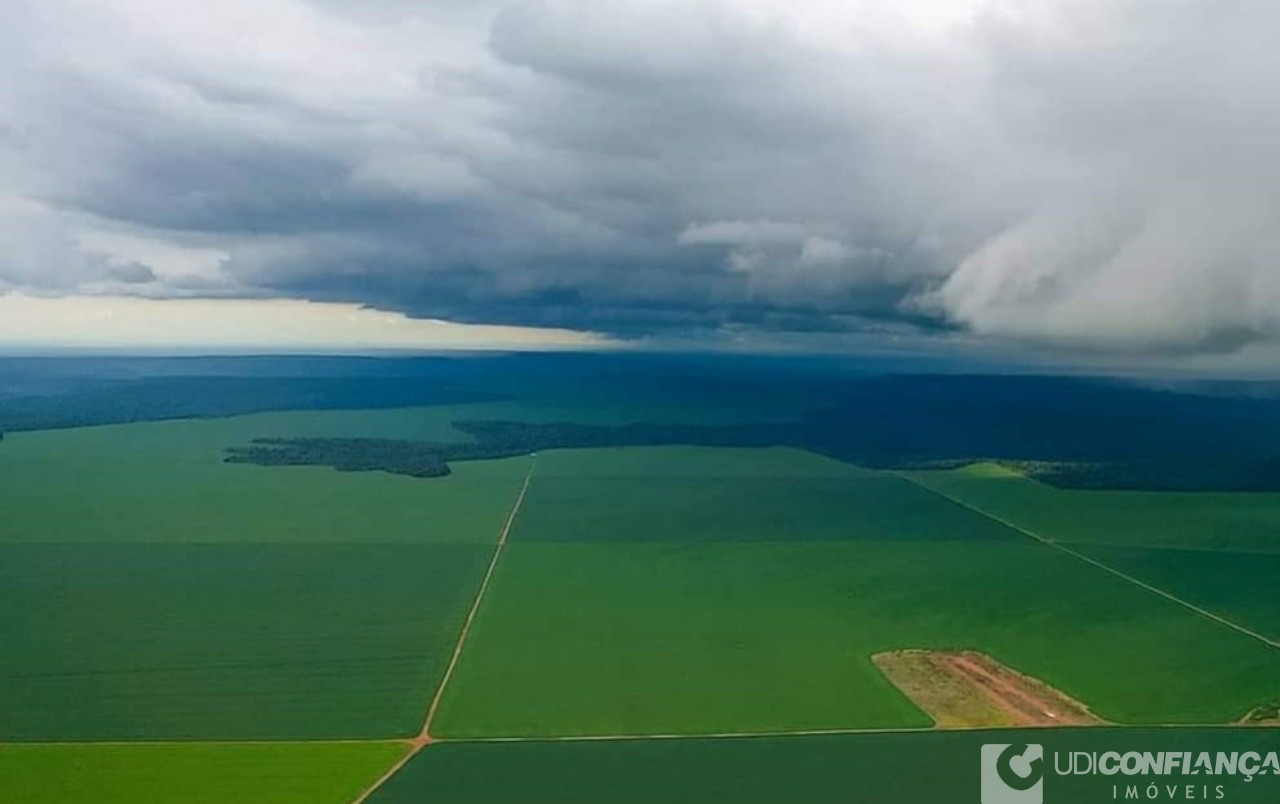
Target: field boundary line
x,y
424,736
1203,612
116,743
716,735
601,738
832,732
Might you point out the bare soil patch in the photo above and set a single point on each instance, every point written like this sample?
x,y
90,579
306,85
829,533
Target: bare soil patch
x,y
967,689
1267,715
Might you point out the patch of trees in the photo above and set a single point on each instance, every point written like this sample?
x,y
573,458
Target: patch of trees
x,y
1169,474
413,458
492,439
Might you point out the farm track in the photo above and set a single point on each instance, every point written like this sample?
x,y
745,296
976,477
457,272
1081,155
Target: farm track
x,y
423,739
836,732
1203,612
1027,699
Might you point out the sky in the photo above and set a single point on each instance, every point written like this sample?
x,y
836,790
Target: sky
x,y
1075,178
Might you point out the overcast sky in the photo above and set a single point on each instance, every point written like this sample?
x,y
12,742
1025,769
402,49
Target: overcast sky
x,y
1076,177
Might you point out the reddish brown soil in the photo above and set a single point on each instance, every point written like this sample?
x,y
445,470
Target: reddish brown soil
x,y
967,689
1029,701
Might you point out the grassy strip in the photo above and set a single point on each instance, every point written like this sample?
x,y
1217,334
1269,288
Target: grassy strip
x,y
193,773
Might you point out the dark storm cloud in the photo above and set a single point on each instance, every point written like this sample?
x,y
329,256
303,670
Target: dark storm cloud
x,y
1091,175
133,273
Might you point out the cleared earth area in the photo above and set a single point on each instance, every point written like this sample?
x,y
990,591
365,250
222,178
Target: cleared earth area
x,y
967,689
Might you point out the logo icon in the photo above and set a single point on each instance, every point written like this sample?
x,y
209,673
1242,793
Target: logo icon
x,y
1012,773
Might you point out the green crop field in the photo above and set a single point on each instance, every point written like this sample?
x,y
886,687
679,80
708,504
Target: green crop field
x,y
226,641
693,464
1217,551
195,773
1243,587
686,614
917,768
174,596
1204,520
693,494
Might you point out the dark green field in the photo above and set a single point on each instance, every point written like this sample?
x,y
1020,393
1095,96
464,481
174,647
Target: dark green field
x,y
921,768
684,614
695,494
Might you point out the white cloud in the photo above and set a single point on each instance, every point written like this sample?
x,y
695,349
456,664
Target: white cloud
x,y
741,233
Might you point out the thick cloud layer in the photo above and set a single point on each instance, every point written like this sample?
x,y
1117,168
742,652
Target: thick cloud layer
x,y
1081,174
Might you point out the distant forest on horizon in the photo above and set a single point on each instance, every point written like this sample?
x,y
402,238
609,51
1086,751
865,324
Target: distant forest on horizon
x,y
1075,432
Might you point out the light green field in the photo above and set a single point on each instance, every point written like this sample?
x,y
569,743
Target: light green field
x,y
714,626
196,773
1218,551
